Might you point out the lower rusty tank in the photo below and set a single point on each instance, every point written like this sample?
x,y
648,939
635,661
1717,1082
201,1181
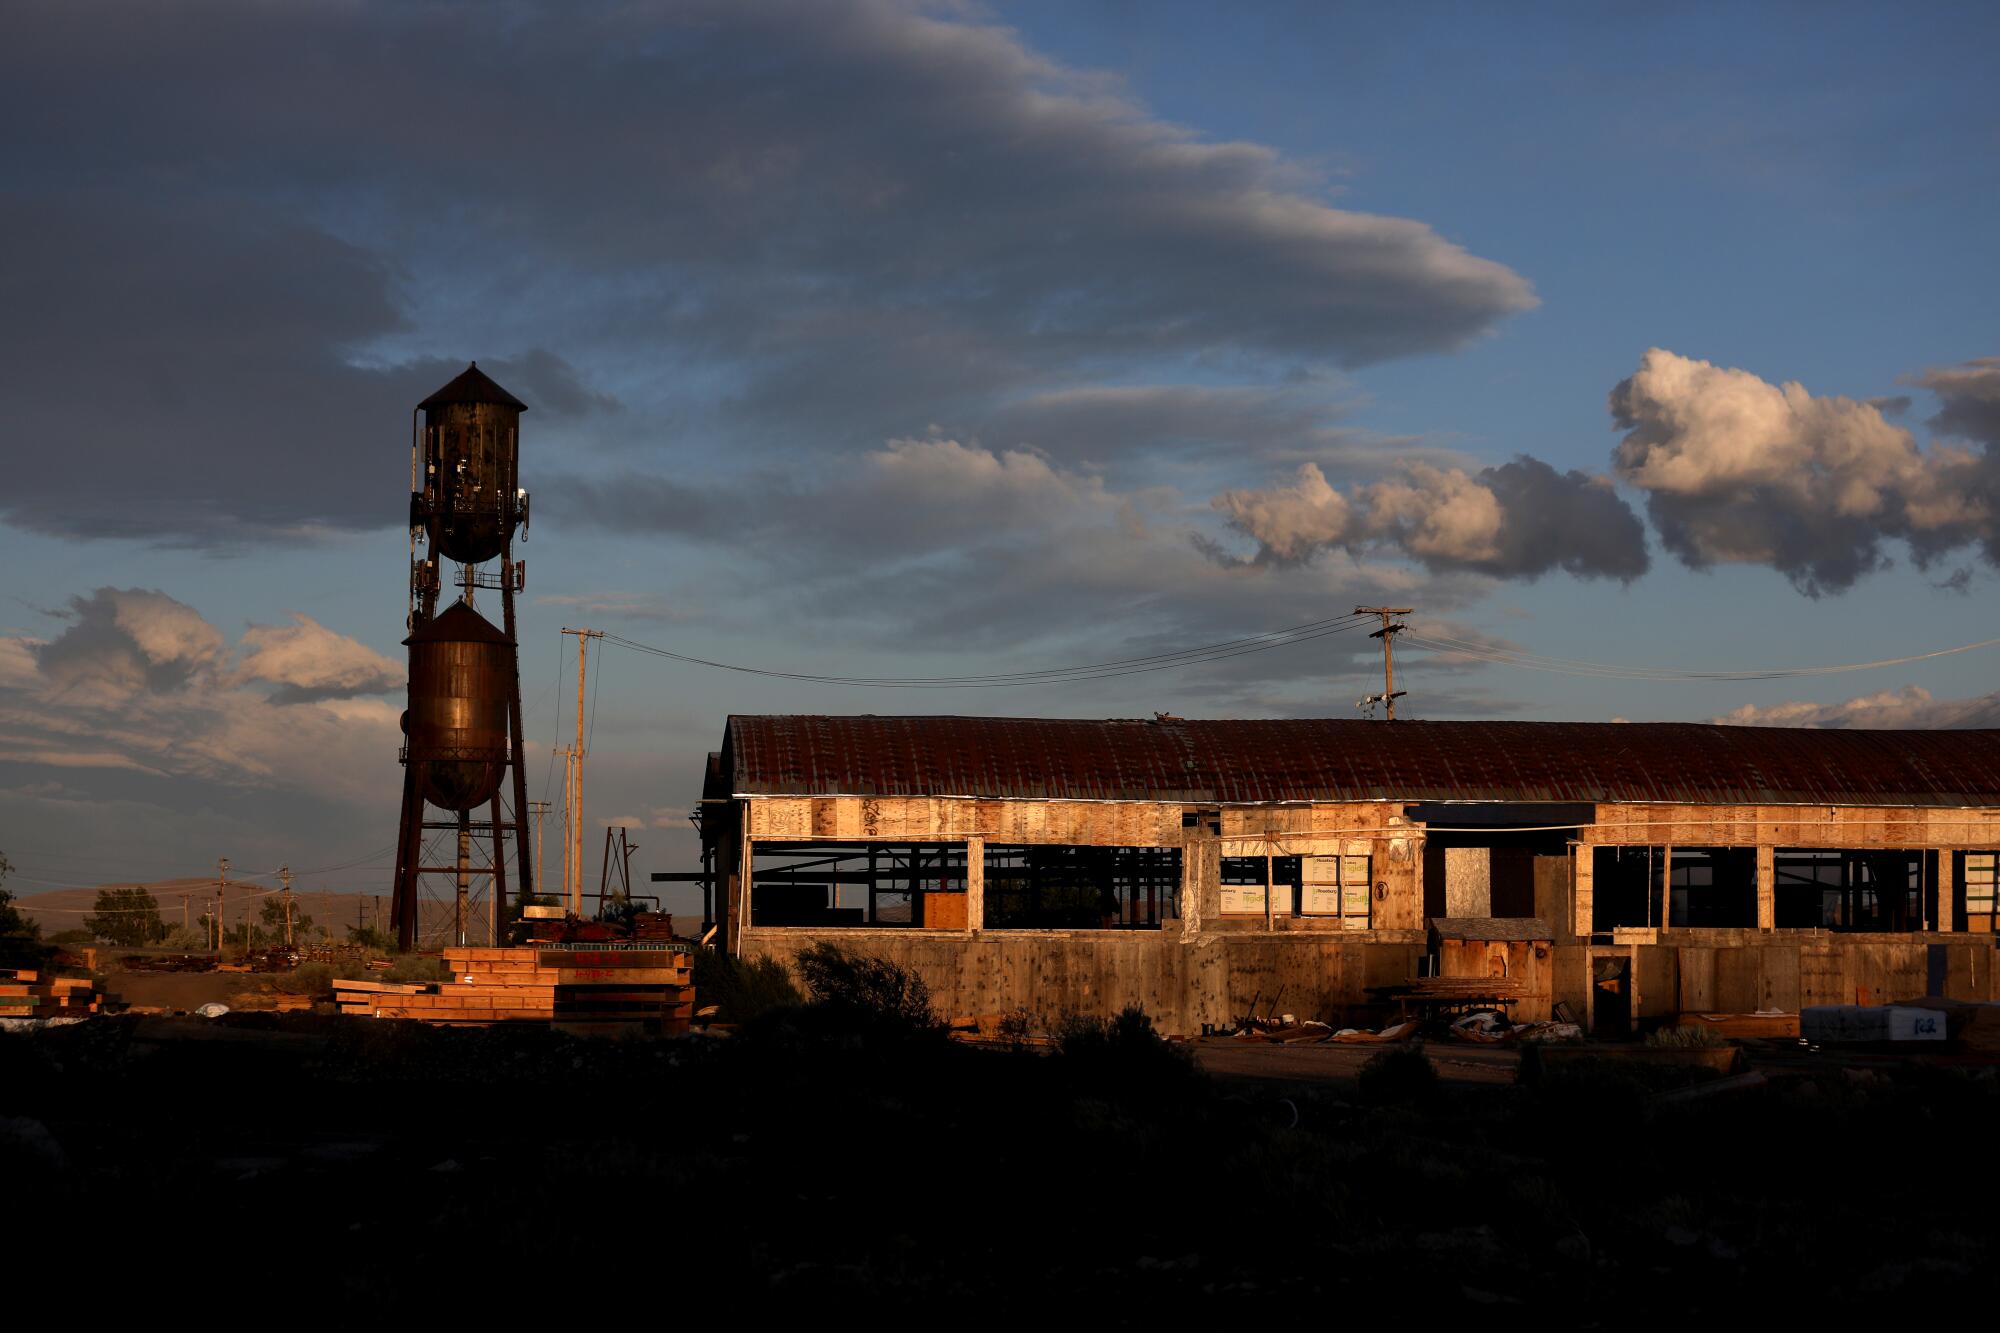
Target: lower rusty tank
x,y
461,678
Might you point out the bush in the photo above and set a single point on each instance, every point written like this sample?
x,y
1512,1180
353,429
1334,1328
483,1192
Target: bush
x,y
742,988
1126,1048
186,939
1687,1038
867,985
414,968
1399,1076
306,979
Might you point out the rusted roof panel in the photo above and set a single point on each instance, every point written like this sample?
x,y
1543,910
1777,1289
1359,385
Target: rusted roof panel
x,y
1328,759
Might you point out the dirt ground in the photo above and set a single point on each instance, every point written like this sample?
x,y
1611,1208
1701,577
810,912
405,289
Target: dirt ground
x,y
1332,1062
184,991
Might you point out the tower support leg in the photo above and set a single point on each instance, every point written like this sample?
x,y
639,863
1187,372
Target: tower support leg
x,y
498,932
409,851
516,745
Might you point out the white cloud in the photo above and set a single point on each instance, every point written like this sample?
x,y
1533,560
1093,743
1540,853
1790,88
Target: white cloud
x,y
1908,708
138,682
1519,520
1739,470
309,661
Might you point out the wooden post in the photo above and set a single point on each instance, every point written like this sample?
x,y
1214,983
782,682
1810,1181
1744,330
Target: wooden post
x,y
1666,887
1583,886
1947,891
975,884
1767,888
746,850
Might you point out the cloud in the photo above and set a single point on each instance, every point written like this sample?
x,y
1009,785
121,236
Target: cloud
x,y
1522,519
1738,470
182,373
317,218
1970,399
309,662
125,641
141,682
1908,708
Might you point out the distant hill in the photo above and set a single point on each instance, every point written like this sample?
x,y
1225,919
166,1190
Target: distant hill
x,y
65,909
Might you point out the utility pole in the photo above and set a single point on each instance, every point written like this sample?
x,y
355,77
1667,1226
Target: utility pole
x,y
1387,634
221,896
538,809
573,871
285,876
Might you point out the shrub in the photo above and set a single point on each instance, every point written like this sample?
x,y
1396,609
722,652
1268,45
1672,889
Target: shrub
x,y
413,968
1399,1076
742,988
1121,1055
306,979
1686,1038
867,985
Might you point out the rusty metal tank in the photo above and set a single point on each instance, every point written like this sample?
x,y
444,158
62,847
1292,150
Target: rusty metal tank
x,y
461,675
468,454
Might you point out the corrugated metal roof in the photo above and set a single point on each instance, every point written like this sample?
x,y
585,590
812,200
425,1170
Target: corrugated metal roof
x,y
1326,759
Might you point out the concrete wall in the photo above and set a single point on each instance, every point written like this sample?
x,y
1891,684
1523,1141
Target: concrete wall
x,y
1207,967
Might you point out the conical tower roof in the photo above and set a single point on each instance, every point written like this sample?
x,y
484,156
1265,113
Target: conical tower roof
x,y
472,386
458,623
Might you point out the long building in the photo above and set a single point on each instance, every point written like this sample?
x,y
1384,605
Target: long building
x,y
1199,869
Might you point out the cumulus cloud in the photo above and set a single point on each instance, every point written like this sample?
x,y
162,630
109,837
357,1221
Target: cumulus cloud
x,y
308,661
122,641
1969,395
138,681
1738,470
1519,520
1908,708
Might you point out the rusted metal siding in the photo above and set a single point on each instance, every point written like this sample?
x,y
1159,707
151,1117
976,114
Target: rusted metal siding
x,y
1247,762
469,501
461,673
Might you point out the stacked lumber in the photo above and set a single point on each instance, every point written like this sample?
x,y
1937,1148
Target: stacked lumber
x,y
589,989
653,926
26,993
1469,986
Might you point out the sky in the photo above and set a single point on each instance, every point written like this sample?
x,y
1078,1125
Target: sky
x,y
884,339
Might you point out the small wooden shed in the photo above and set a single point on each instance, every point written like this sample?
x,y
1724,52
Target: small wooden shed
x,y
1521,948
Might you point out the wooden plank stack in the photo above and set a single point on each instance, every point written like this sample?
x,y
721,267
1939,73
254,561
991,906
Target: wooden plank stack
x,y
26,993
591,989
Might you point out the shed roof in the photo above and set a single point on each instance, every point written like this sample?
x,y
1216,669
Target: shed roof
x,y
1341,759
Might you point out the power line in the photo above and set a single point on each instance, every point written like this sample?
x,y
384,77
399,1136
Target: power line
x,y
1129,666
1501,656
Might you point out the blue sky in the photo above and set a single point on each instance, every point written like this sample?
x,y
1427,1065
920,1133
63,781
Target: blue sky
x,y
869,338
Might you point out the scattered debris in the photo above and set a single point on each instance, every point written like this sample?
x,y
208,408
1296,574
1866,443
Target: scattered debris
x,y
1485,1027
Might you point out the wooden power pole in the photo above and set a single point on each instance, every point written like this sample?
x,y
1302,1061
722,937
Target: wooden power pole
x,y
1387,634
573,824
221,895
538,809
285,877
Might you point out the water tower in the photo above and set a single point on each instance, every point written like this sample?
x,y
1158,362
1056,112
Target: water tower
x,y
462,731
